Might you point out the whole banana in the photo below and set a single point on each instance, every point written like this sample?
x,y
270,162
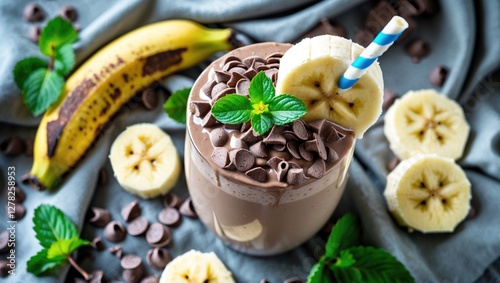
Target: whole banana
x,y
106,81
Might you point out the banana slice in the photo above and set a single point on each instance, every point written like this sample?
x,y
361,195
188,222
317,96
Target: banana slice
x,y
145,161
196,267
310,71
426,122
428,193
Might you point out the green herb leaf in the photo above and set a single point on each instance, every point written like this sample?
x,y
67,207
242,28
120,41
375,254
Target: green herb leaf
x,y
320,273
25,67
286,108
372,265
65,247
65,59
39,263
345,234
261,123
52,225
176,105
232,109
345,259
261,89
41,89
55,34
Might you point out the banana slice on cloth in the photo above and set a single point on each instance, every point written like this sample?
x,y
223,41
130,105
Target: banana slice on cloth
x,y
428,193
196,267
426,122
310,71
145,161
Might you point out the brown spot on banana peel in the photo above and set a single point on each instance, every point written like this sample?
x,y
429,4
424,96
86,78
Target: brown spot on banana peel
x,y
116,94
162,61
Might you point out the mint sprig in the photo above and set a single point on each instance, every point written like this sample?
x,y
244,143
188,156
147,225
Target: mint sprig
x,y
345,261
59,238
40,82
263,108
176,105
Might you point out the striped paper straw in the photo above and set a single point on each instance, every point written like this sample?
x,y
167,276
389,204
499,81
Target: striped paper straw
x,y
379,45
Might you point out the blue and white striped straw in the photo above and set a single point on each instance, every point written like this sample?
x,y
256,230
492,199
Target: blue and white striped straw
x,y
379,45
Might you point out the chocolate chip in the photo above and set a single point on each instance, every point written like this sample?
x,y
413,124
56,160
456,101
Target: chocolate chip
x,y
229,59
299,128
258,149
133,275
33,13
220,156
293,148
389,98
317,169
99,217
208,120
418,49
262,68
237,144
316,145
289,135
68,13
364,37
392,164
169,216
222,93
4,241
276,54
438,75
26,178
243,159
221,77
131,211
230,127
138,226
150,279
270,73
187,208
305,154
249,74
200,108
4,268
275,136
103,177
116,251
379,16
293,280
216,89
218,137
149,98
114,232
264,280
34,33
158,235
19,211
97,277
332,155
238,70
246,126
273,162
172,200
296,176
158,258
472,213
316,125
98,244
208,87
235,78
130,262
19,195
258,174
132,268
251,59
231,64
12,146
249,136
281,170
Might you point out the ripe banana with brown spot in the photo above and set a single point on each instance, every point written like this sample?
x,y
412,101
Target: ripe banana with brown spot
x,y
106,81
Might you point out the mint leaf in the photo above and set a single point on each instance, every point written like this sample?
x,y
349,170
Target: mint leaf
x,y
261,89
176,105
345,234
261,123
65,247
320,274
55,34
52,225
25,67
41,89
39,263
286,108
372,265
232,109
65,59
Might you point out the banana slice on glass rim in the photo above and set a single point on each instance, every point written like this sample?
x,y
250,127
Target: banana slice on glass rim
x,y
425,121
428,193
195,266
145,161
310,71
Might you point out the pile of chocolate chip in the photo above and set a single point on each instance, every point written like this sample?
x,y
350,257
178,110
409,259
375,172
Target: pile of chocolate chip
x,y
33,13
312,142
158,235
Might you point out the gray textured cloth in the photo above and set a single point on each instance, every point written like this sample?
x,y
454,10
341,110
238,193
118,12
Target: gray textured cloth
x,y
465,36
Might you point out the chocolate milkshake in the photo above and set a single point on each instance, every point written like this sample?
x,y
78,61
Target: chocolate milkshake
x,y
262,194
